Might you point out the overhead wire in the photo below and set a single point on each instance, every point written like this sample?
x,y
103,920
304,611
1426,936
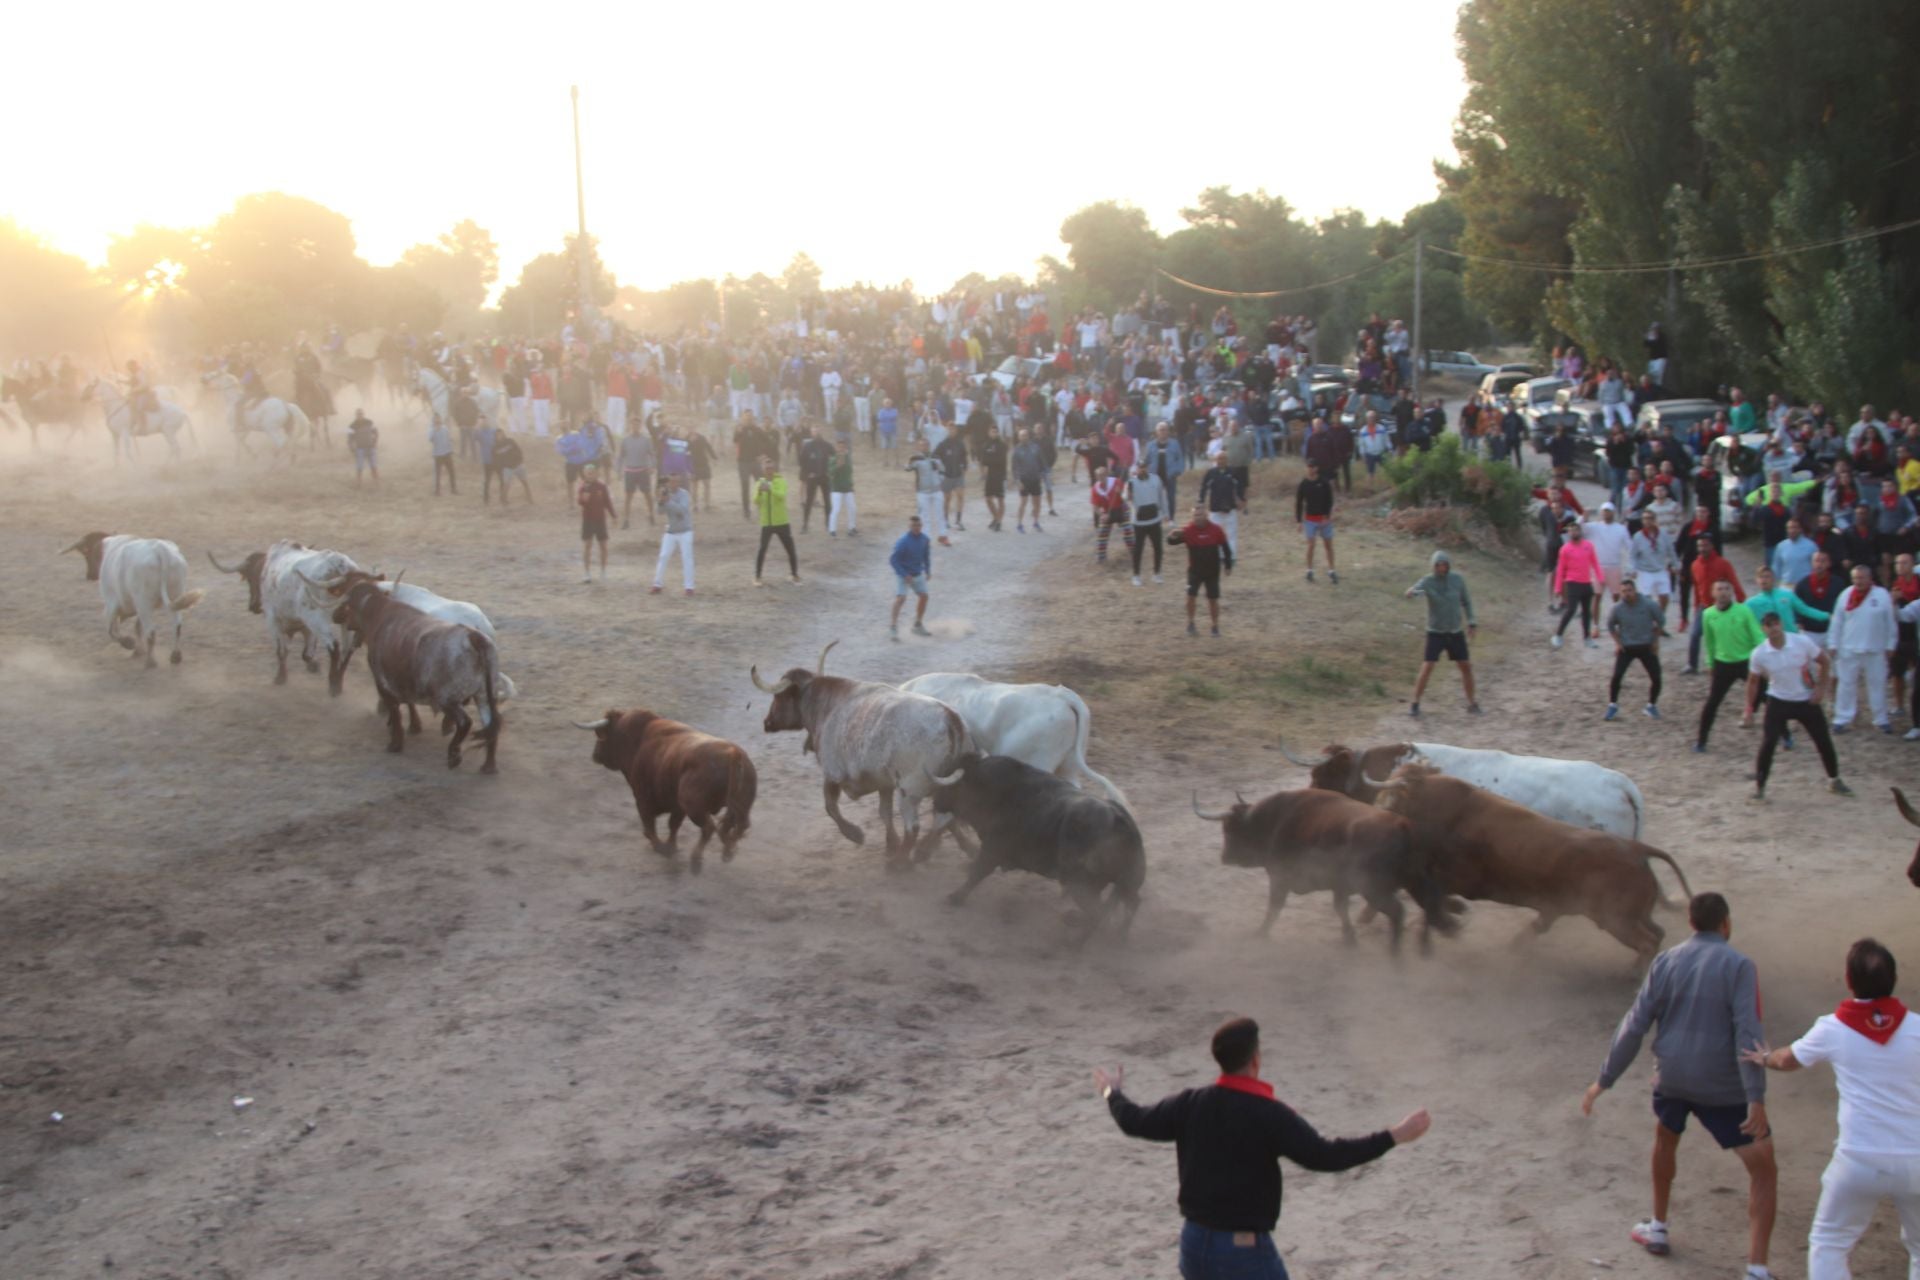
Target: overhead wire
x,y
1283,293
1708,263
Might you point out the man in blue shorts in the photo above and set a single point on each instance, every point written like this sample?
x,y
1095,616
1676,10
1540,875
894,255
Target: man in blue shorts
x,y
912,565
1705,998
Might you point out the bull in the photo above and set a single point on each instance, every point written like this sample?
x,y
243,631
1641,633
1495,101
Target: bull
x,y
1575,792
140,578
280,585
1028,819
1313,839
1906,811
678,773
1044,725
1486,847
869,737
416,658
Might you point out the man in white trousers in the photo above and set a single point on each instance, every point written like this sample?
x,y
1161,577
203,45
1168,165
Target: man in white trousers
x,y
928,490
677,507
1862,635
1875,1051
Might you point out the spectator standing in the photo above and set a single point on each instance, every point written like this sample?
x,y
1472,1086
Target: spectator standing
x,y
1704,998
1728,635
1449,625
596,509
840,492
1231,1136
1167,459
1793,671
952,452
992,453
1313,511
770,506
1029,474
928,475
636,468
1709,567
1792,557
1374,444
1222,495
440,441
576,452
1769,597
676,506
1610,543
1862,635
1874,1048
1149,498
364,439
1821,590
1637,625
1652,559
1209,554
1108,495
816,461
1576,579
912,565
510,464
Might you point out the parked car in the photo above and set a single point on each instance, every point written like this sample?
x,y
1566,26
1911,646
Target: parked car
x,y
1532,371
1458,364
1681,415
1036,371
1354,412
1326,395
1535,396
1589,425
1495,387
1735,514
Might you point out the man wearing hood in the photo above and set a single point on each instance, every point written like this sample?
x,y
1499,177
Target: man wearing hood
x,y
1449,624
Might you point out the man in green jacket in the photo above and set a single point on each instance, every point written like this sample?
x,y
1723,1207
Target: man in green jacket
x,y
1728,635
1449,623
770,504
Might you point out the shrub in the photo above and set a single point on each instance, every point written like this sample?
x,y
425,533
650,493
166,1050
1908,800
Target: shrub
x,y
1448,476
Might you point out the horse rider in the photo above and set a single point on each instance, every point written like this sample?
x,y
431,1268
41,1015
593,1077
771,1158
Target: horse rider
x,y
253,387
308,388
140,396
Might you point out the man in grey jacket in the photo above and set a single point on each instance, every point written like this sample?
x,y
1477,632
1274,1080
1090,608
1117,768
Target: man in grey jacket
x,y
1636,624
677,506
1705,998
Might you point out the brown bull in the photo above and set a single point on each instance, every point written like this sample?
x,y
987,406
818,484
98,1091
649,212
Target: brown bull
x,y
1906,811
679,773
1351,772
1313,839
416,658
1490,849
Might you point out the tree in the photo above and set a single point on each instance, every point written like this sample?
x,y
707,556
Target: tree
x,y
547,294
52,300
460,267
273,265
1112,252
801,278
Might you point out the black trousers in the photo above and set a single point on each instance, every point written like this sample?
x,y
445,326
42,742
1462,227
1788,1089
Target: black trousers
x,y
1685,589
444,464
784,532
1649,659
1779,713
1725,676
1145,533
1579,596
746,484
814,484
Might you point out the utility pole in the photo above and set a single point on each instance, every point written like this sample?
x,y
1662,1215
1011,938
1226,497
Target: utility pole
x,y
580,247
1419,352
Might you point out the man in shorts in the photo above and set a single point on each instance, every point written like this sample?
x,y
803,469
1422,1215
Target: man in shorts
x,y
1705,998
1209,553
1029,472
993,485
912,565
636,470
364,438
596,509
510,464
1313,511
1449,625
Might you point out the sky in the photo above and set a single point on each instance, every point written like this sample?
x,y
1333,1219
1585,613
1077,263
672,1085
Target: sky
x,y
888,142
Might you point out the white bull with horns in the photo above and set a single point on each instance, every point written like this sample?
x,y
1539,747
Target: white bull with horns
x,y
280,584
1042,725
871,737
140,578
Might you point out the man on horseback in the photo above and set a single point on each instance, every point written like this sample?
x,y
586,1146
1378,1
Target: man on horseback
x,y
141,398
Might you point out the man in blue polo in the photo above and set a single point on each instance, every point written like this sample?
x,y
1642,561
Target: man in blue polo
x,y
912,565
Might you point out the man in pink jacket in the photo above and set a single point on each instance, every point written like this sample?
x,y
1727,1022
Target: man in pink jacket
x,y
1575,578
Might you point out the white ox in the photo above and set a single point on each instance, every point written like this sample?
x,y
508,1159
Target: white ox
x,y
279,585
1042,725
140,578
1576,792
870,737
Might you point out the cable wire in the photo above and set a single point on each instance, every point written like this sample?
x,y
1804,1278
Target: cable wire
x,y
1709,263
1282,293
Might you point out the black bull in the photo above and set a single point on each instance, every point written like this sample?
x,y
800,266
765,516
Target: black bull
x,y
1032,821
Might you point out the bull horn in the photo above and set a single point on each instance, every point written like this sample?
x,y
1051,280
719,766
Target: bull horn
x,y
1203,814
1372,781
775,689
320,584
74,547
947,780
396,579
1304,764
216,563
1237,796
1906,810
593,725
821,668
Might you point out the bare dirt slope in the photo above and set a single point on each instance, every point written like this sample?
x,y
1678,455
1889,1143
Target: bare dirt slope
x,y
486,1033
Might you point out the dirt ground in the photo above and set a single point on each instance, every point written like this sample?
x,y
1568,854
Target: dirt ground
x,y
485,1033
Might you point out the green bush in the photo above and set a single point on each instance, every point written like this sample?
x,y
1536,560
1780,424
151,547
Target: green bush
x,y
1447,475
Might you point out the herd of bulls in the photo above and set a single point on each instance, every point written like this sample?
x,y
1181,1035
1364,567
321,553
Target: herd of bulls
x,y
1001,766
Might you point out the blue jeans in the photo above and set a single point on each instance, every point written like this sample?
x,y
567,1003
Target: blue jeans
x,y
1212,1255
1618,476
1263,441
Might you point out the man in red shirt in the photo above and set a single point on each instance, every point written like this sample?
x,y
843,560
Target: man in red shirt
x,y
596,509
1709,567
1208,552
540,390
617,387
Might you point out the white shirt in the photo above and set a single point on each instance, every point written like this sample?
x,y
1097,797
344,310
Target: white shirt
x,y
1868,629
962,410
1879,1084
1787,667
1609,542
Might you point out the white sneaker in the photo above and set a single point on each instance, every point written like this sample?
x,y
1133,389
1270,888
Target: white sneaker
x,y
1157,579
1554,641
1136,579
1652,1236
1911,735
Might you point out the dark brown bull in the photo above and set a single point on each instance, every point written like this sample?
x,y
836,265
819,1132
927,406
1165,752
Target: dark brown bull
x,y
1490,849
249,570
416,658
1351,772
1906,811
1315,839
679,773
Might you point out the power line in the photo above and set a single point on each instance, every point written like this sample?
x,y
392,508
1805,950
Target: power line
x,y
1709,263
1282,293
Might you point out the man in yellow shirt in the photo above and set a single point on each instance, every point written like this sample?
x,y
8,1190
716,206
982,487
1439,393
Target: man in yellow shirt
x,y
770,504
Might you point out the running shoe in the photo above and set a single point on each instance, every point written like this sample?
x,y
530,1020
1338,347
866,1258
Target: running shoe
x,y
1651,712
1414,711
1911,735
1651,1236
920,630
1158,579
1309,575
1839,787
1192,630
1613,711
1554,641
654,590
1136,579
1473,709
1333,576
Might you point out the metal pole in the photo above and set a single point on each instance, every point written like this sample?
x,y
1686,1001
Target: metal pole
x,y
1419,352
580,203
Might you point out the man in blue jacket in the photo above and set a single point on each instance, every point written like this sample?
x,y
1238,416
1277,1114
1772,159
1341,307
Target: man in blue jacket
x,y
912,565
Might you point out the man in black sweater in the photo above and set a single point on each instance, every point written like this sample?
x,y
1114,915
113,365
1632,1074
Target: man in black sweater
x,y
1313,511
1228,1137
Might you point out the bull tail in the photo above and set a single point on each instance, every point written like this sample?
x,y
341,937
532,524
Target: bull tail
x,y
508,690
1083,725
1639,809
1667,858
490,662
742,786
188,600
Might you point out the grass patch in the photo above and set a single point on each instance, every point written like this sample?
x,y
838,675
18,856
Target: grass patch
x,y
1201,688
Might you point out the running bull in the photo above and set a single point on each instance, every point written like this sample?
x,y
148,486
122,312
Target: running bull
x,y
678,773
140,578
1029,820
414,657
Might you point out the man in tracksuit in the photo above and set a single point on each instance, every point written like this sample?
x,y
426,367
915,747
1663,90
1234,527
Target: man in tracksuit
x,y
1705,997
1229,1137
1637,623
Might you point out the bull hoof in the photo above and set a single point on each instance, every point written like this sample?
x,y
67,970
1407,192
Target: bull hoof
x,y
280,677
394,748
174,658
151,664
312,666
453,759
489,767
726,853
956,898
123,642
694,864
858,836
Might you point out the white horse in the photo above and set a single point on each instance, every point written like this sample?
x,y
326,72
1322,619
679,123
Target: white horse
x,y
165,420
277,419
434,388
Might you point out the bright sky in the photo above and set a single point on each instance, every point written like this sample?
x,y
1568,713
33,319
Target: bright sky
x,y
888,141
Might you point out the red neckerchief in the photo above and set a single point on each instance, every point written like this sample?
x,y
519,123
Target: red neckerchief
x,y
1261,1089
1856,597
1700,526
1908,589
1818,582
1877,1020
1776,508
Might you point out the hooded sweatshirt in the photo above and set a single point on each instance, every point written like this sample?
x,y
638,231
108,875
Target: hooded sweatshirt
x,y
1449,606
